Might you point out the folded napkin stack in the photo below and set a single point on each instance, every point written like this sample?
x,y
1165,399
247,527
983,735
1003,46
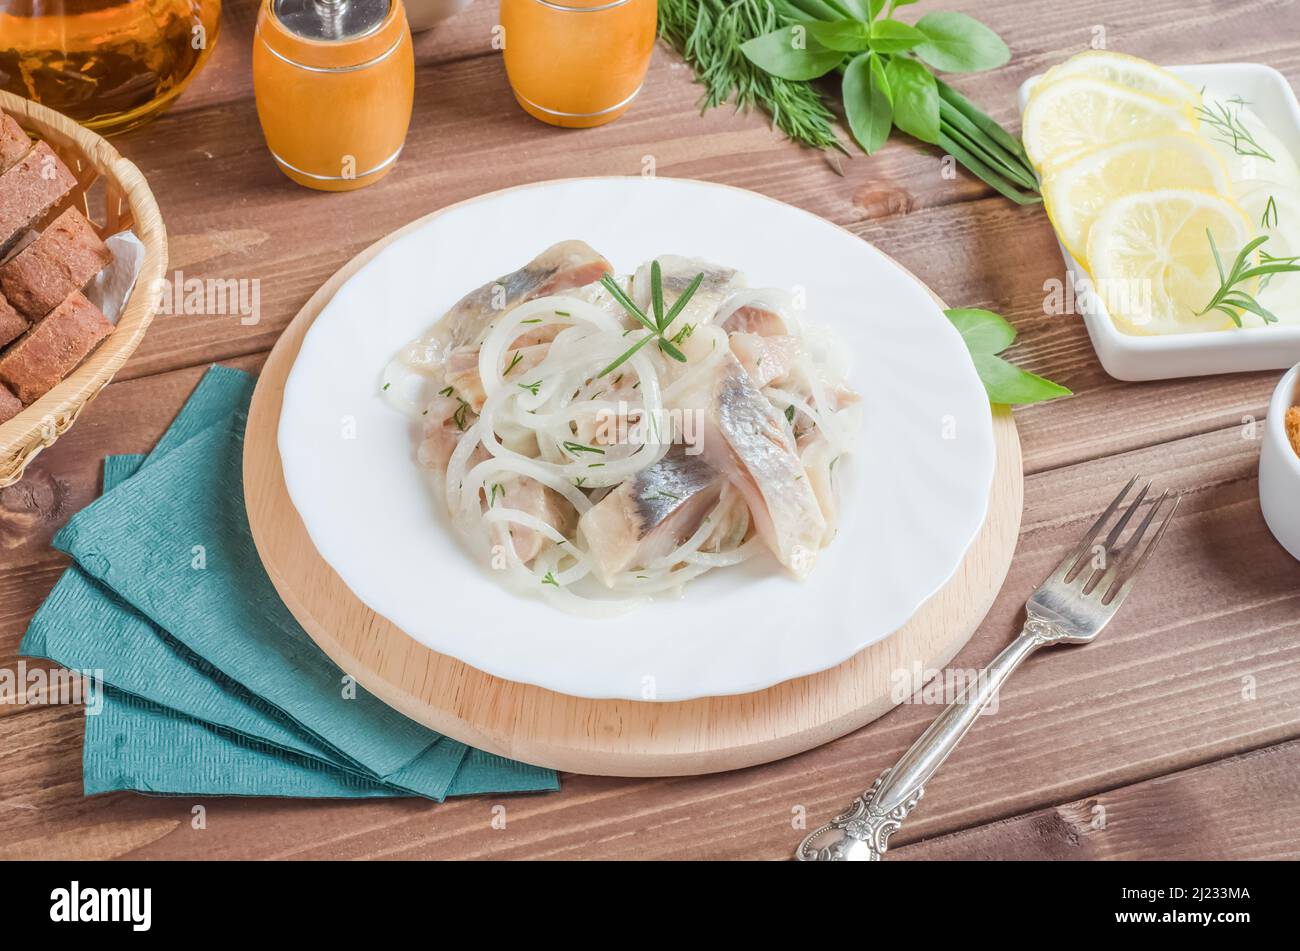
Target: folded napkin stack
x,y
209,686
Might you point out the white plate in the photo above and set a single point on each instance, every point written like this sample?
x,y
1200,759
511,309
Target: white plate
x,y
1135,357
921,482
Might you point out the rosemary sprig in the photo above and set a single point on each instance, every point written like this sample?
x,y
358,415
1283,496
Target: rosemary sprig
x,y
1230,129
1232,297
1270,211
662,321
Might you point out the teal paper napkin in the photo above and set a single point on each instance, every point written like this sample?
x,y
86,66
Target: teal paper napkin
x,y
192,727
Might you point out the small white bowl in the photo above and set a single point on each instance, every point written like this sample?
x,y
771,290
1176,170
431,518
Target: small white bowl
x,y
1134,357
1279,468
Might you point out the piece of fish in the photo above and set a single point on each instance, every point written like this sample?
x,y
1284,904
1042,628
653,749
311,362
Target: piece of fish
x,y
767,360
650,514
744,438
756,312
560,267
463,376
529,495
676,274
445,420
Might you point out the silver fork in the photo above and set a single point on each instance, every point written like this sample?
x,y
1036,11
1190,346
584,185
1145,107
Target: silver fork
x,y
1070,607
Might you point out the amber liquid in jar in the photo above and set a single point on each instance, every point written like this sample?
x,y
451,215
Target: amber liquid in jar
x,y
577,63
109,64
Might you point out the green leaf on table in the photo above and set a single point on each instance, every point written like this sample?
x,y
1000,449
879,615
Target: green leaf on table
x,y
867,101
983,330
848,36
956,43
916,99
987,334
791,54
891,36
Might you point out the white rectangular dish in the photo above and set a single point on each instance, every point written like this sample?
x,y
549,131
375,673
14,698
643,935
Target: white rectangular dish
x,y
1133,357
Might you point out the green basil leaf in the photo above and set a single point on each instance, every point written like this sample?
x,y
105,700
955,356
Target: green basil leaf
x,y
849,36
891,36
1007,383
791,54
983,330
858,9
988,334
916,99
957,43
867,102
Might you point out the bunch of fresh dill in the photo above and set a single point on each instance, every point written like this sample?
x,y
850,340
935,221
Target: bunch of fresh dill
x,y
709,35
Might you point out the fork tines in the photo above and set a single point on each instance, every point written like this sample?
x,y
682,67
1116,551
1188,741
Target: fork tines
x,y
1115,561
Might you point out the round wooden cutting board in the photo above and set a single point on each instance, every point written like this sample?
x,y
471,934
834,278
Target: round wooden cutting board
x,y
603,737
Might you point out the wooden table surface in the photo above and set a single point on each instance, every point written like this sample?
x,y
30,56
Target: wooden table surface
x,y
1186,713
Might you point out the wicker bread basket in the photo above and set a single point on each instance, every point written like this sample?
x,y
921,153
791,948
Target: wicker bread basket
x,y
114,197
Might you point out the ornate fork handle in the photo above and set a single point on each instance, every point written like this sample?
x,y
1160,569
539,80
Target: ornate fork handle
x,y
862,833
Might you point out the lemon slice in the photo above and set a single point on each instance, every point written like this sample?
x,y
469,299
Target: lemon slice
x,y
1151,263
1078,113
1124,70
1075,192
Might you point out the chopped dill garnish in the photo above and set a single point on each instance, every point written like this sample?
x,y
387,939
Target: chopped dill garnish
x,y
446,392
535,320
562,313
550,579
387,385
492,499
789,414
579,447
458,417
530,387
513,363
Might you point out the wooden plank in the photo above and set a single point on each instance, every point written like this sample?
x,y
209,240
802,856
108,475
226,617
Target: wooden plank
x,y
1242,807
1161,691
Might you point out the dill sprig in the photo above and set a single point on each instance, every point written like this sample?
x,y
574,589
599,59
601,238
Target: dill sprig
x,y
1229,128
1232,297
709,33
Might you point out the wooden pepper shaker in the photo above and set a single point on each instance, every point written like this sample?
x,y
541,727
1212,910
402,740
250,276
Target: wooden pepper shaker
x,y
334,80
